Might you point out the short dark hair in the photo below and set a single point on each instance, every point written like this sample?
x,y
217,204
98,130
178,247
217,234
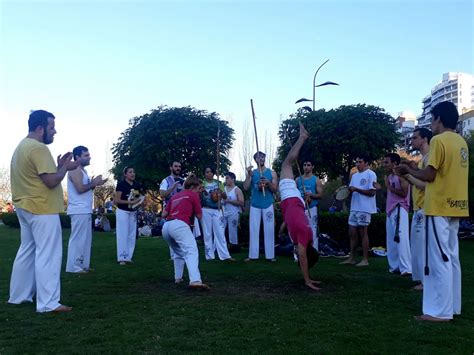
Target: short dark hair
x,y
78,151
308,160
259,153
209,167
174,161
424,133
364,157
447,112
38,118
231,175
394,157
191,182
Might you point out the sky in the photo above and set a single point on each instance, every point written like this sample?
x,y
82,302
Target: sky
x,y
95,65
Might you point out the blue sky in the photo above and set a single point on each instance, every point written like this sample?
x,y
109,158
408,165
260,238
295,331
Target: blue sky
x,y
97,64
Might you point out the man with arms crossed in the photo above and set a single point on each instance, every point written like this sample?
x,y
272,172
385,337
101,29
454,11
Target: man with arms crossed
x,y
420,140
446,200
38,197
263,183
363,191
80,198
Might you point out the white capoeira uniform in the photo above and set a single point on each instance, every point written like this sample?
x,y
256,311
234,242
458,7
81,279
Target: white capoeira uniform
x,y
181,240
232,216
37,266
446,200
179,236
261,208
397,224
80,211
126,230
417,244
442,286
418,230
213,228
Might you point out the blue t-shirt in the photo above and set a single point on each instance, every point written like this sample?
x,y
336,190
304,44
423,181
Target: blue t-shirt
x,y
258,200
310,186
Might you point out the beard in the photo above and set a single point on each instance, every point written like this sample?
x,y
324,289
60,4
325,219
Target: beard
x,y
46,138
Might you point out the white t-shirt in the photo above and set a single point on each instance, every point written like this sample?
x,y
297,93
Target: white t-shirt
x,y
288,189
364,181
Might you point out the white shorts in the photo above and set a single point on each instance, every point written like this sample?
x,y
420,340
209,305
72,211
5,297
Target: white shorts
x,y
359,219
288,189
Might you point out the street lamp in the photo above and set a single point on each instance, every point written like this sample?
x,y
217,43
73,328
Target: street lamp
x,y
314,88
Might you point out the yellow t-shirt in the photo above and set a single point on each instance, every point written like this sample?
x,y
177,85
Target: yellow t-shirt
x,y
447,194
31,159
418,194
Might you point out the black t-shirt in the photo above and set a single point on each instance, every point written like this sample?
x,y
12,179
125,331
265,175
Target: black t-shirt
x,y
126,188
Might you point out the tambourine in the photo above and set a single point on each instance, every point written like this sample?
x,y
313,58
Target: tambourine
x,y
134,194
342,193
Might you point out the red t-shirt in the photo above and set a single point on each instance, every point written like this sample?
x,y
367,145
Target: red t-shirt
x,y
184,206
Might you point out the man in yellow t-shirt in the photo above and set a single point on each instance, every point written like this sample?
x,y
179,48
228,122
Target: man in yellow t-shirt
x,y
420,141
446,200
38,198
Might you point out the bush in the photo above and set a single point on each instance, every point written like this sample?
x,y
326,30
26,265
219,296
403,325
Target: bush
x,y
11,220
333,224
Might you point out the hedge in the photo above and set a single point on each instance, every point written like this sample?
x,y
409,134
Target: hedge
x,y
333,224
11,220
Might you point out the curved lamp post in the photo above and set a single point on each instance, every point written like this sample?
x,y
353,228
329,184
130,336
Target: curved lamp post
x,y
314,88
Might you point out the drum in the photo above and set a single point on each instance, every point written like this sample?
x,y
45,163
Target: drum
x,y
342,193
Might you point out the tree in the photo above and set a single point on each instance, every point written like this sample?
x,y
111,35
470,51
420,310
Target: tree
x,y
165,134
103,193
338,136
5,187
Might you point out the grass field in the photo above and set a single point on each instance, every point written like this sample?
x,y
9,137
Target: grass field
x,y
257,307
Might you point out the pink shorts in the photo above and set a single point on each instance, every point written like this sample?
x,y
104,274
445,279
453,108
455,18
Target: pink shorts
x,y
296,221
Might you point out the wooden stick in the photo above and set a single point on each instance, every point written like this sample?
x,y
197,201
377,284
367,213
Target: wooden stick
x,y
219,204
256,142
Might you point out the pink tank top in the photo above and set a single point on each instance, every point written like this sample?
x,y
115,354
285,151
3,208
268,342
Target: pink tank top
x,y
393,199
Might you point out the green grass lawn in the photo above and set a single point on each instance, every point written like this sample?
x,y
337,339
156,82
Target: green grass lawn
x,y
258,307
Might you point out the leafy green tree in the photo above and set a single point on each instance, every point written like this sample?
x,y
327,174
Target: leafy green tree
x,y
166,134
338,136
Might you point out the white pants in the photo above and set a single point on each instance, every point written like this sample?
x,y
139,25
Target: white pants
x,y
417,243
181,240
313,222
232,223
126,234
37,266
442,287
196,229
398,254
80,242
256,215
213,233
